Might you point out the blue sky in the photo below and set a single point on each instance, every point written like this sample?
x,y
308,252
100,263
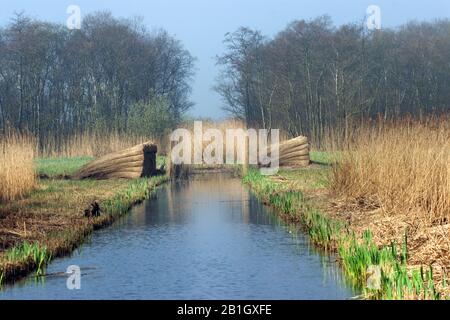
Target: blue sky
x,y
201,24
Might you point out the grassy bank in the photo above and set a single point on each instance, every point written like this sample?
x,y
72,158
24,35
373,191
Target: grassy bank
x,y
302,196
49,221
59,167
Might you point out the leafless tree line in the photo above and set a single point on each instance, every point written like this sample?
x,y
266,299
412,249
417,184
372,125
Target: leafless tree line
x,y
56,82
313,75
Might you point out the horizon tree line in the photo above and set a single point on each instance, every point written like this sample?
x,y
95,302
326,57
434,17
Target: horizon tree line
x,y
112,75
313,76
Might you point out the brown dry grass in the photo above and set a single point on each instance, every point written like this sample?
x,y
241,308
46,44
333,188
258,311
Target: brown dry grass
x,y
400,167
17,175
55,205
90,145
394,178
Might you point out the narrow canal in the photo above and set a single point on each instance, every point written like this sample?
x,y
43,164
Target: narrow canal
x,y
206,238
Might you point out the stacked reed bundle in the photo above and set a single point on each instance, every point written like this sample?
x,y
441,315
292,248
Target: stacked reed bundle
x,y
138,161
294,152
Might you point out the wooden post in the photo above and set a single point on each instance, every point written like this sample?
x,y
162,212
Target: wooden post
x,y
246,157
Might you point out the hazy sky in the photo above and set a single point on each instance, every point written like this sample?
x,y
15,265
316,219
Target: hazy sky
x,y
201,24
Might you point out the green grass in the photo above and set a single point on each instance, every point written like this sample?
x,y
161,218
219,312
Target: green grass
x,y
357,255
315,177
136,191
160,161
37,254
396,281
324,157
306,178
59,167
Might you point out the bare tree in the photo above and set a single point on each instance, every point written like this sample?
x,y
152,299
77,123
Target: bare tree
x,y
312,75
56,82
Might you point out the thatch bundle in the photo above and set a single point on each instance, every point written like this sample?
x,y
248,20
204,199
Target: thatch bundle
x,y
135,162
294,152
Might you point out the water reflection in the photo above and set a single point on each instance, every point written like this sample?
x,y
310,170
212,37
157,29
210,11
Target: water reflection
x,y
207,238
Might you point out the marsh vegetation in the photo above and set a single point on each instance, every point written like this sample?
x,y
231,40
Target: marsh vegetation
x,y
375,106
382,201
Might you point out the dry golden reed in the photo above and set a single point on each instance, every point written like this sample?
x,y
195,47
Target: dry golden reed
x,y
17,174
89,144
402,167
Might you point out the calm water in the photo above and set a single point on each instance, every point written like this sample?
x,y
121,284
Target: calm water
x,y
207,238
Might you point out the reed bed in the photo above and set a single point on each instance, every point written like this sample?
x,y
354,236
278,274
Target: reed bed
x,y
17,175
393,178
88,144
401,167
